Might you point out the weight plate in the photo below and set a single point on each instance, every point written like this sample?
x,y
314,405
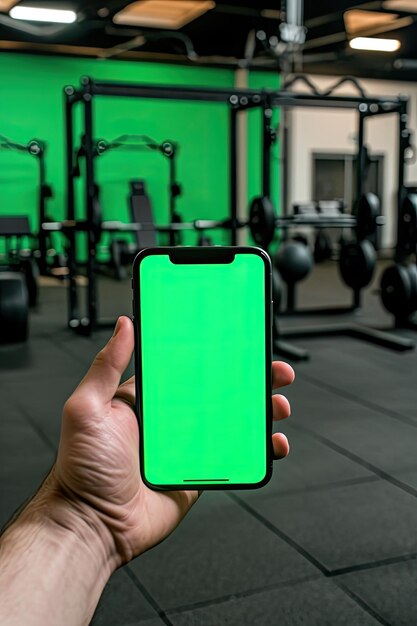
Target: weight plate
x,y
262,221
412,271
407,236
14,307
367,213
399,290
357,264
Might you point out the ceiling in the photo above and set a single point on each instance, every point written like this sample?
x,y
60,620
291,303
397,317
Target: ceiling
x,y
226,34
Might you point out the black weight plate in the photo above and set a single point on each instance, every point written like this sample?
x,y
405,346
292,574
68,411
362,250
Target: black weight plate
x,y
412,271
408,223
398,290
367,213
14,307
262,221
357,264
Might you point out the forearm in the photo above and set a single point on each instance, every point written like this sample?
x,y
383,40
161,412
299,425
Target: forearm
x,y
54,565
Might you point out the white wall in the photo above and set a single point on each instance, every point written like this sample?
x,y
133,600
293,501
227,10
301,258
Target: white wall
x,y
322,130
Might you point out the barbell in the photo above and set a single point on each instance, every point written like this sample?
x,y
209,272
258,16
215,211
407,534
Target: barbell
x,y
262,222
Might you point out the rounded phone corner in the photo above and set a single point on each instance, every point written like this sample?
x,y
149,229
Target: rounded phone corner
x,y
143,253
263,254
150,485
264,481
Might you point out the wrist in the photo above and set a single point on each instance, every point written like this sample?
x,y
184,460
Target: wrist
x,y
52,550
67,522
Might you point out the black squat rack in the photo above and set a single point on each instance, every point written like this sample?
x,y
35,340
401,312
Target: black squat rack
x,y
237,100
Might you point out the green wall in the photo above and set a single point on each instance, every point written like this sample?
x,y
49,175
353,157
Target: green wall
x,y
32,106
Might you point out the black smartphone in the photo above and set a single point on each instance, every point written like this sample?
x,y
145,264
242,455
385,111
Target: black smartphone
x,y
202,321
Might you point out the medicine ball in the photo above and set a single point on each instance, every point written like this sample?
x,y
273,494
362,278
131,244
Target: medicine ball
x,y
294,261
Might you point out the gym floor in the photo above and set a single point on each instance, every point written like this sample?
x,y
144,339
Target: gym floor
x,y
331,539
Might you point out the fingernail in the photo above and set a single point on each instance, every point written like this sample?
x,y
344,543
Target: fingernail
x,y
117,327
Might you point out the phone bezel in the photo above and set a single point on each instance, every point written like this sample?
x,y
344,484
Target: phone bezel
x,y
199,255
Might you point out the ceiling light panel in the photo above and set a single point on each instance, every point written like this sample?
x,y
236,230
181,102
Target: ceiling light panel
x,y
170,14
39,14
375,44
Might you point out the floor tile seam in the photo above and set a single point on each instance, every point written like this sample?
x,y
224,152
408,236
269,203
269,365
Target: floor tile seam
x,y
326,486
147,595
362,604
373,565
34,376
40,433
282,585
279,533
395,415
248,593
326,572
358,460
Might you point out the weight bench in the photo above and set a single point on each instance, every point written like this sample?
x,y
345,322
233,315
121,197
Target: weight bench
x,y
141,213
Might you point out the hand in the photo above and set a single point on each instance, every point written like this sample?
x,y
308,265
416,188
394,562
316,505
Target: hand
x,y
97,467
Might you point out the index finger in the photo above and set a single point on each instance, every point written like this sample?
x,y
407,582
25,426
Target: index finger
x,y
282,374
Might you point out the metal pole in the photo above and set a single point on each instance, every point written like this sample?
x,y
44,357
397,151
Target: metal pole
x,y
403,142
360,159
266,148
90,192
233,175
173,236
285,161
42,216
71,247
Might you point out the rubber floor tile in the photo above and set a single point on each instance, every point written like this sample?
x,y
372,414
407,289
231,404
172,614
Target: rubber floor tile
x,y
317,603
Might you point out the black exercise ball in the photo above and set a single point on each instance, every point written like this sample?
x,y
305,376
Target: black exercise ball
x,y
294,261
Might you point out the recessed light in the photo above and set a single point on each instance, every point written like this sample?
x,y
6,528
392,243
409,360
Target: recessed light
x,y
41,14
375,44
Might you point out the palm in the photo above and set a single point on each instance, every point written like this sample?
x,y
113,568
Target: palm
x,y
97,466
98,462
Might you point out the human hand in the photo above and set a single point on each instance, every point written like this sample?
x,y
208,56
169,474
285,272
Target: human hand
x,y
96,474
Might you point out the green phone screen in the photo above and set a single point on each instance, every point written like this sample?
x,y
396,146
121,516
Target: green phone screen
x,y
204,370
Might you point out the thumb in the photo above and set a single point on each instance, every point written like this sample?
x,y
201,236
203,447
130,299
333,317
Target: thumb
x,y
103,377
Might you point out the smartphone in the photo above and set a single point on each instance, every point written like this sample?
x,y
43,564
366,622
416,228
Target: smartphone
x,y
202,319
